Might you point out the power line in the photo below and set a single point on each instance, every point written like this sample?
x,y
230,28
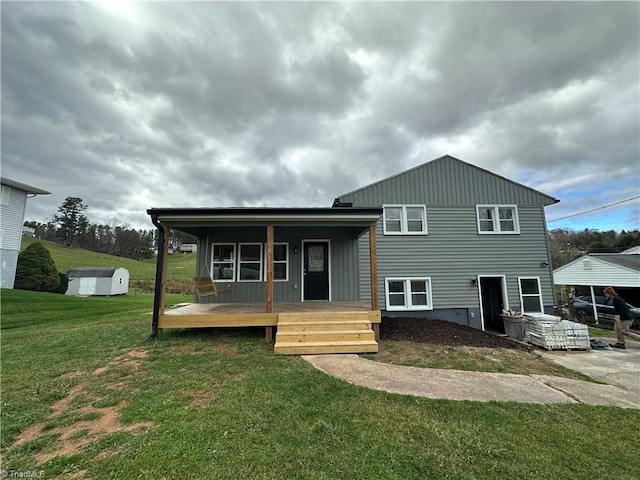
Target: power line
x,y
595,209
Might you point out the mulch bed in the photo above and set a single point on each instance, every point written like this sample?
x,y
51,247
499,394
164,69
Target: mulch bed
x,y
439,332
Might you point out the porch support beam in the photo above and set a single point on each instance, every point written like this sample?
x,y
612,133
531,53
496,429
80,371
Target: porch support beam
x,y
165,259
161,277
269,299
373,263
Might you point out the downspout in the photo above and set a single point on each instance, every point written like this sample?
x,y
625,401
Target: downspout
x,y
158,284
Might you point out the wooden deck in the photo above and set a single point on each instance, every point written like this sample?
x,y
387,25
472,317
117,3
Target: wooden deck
x,y
303,327
197,315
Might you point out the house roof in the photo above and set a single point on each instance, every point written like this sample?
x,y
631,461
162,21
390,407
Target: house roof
x,y
262,215
601,269
631,261
23,186
449,158
196,220
91,272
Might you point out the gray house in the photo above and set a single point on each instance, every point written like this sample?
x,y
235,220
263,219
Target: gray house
x,y
14,202
98,281
446,240
458,243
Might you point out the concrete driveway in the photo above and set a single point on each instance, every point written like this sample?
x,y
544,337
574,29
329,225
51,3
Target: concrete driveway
x,y
615,367
619,368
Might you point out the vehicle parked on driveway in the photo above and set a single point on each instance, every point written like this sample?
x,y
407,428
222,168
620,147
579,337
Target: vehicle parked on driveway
x,y
584,308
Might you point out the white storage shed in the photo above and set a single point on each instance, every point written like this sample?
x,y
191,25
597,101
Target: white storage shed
x,y
98,281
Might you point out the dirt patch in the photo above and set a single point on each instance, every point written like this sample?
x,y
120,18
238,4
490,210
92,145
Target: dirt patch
x,y
72,439
129,359
439,332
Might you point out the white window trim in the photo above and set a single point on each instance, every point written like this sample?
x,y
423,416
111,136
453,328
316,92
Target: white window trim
x,y
233,261
286,262
496,220
6,194
407,294
240,262
404,229
530,295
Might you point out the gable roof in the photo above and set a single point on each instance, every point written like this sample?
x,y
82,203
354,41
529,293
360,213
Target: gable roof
x,y
23,186
630,261
436,168
600,269
82,272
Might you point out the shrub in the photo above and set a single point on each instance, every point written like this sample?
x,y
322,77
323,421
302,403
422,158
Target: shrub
x,y
36,270
64,283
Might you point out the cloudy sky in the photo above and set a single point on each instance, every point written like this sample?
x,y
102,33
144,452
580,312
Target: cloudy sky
x,y
207,104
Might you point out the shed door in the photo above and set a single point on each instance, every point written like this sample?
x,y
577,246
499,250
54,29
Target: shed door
x,y
87,286
316,271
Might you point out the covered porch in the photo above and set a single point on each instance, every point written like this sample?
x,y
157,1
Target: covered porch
x,y
310,298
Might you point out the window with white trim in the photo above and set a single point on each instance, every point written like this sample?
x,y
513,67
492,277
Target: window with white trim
x,y
405,220
530,295
411,293
280,262
223,262
249,262
6,194
497,219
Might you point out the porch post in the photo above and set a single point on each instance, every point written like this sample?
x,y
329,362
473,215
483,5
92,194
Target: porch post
x,y
373,262
161,275
374,267
165,259
269,306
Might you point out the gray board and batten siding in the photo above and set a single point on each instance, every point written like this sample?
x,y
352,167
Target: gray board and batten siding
x,y
343,258
453,252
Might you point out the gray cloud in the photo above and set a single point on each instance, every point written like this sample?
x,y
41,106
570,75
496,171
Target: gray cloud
x,y
229,104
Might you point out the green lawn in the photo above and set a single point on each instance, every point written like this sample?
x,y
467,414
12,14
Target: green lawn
x,y
84,397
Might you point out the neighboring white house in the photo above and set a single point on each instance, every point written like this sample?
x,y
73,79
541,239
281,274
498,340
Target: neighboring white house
x,y
601,269
14,202
591,273
98,281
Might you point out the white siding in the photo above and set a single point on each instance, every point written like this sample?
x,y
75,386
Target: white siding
x,y
600,273
12,219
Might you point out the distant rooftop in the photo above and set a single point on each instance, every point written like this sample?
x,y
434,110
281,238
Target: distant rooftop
x,y
23,186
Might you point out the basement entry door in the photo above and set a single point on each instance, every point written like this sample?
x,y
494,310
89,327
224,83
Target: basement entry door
x,y
316,271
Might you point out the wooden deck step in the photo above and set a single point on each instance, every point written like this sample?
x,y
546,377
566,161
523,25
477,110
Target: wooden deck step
x,y
289,326
321,317
312,348
326,336
328,332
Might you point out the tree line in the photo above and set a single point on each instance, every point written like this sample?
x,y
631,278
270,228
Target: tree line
x,y
567,245
71,227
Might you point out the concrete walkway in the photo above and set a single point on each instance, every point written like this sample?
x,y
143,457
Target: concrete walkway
x,y
621,367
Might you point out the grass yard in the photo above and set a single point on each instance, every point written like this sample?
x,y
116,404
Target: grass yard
x,y
84,398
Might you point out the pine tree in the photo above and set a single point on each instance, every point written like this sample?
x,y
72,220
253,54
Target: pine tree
x,y
72,222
